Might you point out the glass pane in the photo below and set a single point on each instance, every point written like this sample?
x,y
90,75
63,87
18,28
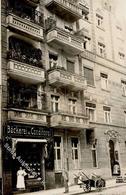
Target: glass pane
x,y
76,154
94,158
58,154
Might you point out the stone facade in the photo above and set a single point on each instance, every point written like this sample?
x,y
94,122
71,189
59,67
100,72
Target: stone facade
x,y
77,59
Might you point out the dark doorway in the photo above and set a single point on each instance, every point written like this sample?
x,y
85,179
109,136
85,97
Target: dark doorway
x,y
115,167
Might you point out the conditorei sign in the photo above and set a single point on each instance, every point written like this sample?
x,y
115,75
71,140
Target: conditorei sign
x,y
18,130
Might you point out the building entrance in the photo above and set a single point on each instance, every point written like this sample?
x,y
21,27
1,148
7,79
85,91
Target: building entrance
x,y
114,158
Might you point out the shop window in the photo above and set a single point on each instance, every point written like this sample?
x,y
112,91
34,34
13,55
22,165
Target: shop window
x,y
72,106
91,111
58,152
90,136
75,152
123,83
101,49
94,156
70,66
104,81
88,74
107,114
99,20
53,60
55,103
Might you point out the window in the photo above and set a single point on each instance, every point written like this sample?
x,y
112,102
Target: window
x,y
72,106
58,152
90,136
121,56
54,103
94,156
123,83
104,81
107,114
91,111
88,73
125,117
70,66
85,11
101,49
99,19
87,43
53,60
75,151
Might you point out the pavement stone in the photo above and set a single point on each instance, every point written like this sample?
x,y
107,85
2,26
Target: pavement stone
x,y
74,190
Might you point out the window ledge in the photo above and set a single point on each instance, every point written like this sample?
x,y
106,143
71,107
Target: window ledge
x,y
106,90
91,85
101,28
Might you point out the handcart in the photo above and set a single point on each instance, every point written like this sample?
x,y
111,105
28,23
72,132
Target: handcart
x,y
95,181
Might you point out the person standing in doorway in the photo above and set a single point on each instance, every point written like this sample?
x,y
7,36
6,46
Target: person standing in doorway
x,y
21,179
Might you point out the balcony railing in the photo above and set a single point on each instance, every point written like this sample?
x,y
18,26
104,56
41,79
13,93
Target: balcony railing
x,y
60,78
70,42
65,8
23,71
88,55
33,27
69,121
25,116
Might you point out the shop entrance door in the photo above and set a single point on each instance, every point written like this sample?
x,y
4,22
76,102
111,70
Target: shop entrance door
x,y
114,160
29,156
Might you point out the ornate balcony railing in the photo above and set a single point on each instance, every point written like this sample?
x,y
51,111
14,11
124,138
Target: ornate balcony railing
x,y
35,16
26,25
67,9
23,71
25,116
69,121
71,42
59,77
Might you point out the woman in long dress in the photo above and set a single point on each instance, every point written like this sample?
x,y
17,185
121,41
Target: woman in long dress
x,y
20,179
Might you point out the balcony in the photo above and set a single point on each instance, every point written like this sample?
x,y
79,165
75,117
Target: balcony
x,y
25,72
27,116
89,55
26,25
61,120
60,78
59,38
65,9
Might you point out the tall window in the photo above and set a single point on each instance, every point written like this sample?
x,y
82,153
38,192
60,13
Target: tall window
x,y
87,43
88,73
94,156
104,81
101,49
107,114
70,66
72,106
123,83
55,103
91,111
75,151
125,117
53,60
99,20
58,152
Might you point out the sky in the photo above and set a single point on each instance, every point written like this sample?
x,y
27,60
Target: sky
x,y
120,8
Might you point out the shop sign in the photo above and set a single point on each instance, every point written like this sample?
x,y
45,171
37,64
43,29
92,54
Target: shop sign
x,y
28,131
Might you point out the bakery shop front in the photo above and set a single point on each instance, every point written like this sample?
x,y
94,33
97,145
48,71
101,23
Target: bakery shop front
x,y
26,148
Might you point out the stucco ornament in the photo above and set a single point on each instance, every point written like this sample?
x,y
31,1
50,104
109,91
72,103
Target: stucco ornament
x,y
113,135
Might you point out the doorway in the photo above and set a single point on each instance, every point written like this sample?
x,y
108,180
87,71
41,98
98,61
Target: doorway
x,y
114,158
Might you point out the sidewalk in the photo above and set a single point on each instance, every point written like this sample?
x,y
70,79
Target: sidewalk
x,y
74,189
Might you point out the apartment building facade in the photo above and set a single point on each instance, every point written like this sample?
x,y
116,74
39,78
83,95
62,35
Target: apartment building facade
x,y
63,91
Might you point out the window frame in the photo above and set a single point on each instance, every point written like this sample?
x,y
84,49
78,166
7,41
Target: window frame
x,y
75,162
104,81
88,80
100,20
58,163
93,149
107,114
123,86
72,106
101,50
55,102
91,108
